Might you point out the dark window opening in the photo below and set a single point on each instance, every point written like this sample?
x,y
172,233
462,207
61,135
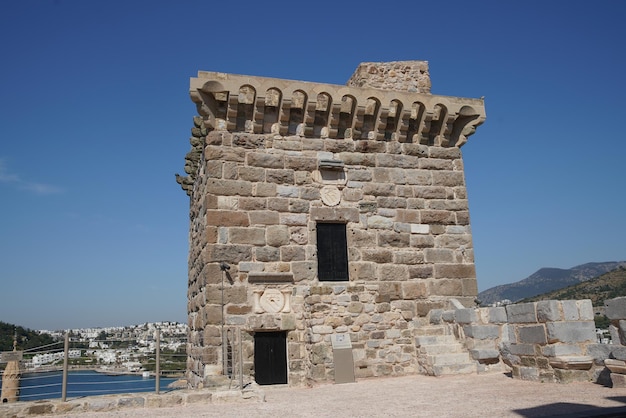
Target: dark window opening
x,y
332,252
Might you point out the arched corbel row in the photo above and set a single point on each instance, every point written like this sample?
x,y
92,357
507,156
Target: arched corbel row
x,y
325,111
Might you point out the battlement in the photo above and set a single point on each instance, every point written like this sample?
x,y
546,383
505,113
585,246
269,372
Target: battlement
x,y
260,105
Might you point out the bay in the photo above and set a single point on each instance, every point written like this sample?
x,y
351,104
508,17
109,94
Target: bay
x,y
48,385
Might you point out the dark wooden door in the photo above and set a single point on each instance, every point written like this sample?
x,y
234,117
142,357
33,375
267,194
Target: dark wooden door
x,y
270,358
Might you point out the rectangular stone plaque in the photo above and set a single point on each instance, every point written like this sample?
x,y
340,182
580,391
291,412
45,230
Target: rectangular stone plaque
x,y
7,356
340,341
256,277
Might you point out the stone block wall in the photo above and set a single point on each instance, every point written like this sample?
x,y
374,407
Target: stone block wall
x,y
393,175
543,341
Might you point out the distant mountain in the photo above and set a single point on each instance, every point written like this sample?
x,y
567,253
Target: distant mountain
x,y
607,286
547,279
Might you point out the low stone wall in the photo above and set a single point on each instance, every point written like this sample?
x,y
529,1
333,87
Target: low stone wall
x,y
127,401
543,341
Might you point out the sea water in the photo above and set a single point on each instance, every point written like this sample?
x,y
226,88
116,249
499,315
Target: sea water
x,y
48,385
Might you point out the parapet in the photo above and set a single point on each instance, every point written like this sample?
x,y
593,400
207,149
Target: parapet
x,y
238,103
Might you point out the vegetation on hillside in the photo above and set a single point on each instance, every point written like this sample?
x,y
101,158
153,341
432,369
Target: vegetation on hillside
x,y
26,338
607,286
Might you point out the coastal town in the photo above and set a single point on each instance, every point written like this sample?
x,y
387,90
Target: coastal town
x,y
115,350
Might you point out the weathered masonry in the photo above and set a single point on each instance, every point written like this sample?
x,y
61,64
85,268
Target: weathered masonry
x,y
322,213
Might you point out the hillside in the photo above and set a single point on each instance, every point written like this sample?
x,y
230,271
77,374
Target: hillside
x,y
26,338
546,280
607,286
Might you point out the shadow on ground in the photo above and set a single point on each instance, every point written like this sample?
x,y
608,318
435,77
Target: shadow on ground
x,y
574,410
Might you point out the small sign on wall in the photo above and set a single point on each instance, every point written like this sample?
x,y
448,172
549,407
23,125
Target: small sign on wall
x,y
340,341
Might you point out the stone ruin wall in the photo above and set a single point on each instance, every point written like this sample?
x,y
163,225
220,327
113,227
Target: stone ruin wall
x,y
256,190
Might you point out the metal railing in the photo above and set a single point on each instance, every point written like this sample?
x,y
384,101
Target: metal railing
x,y
77,368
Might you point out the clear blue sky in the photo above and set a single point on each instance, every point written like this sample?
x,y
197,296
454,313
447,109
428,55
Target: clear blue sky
x,y
95,119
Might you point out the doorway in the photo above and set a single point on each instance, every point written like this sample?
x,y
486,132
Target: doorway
x,y
270,358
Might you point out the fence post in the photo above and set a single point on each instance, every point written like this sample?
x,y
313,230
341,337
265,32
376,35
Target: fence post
x,y
66,349
240,361
158,362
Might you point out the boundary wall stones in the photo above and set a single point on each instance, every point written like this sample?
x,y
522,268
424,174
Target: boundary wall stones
x,y
548,341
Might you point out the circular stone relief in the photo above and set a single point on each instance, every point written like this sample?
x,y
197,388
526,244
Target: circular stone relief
x,y
331,196
272,301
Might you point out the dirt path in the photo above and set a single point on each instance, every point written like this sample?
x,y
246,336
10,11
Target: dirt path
x,y
493,395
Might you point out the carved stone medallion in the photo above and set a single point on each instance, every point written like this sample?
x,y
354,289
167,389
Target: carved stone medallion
x,y
272,301
331,196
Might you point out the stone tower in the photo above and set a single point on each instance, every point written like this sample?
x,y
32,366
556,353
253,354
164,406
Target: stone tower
x,y
321,210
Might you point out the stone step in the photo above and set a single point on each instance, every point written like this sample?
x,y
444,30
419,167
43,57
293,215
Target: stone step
x,y
441,348
432,330
452,369
447,359
435,340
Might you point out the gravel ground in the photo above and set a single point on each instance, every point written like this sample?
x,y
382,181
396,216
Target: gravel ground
x,y
488,395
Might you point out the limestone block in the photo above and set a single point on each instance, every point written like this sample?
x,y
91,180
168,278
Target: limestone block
x,y
277,235
379,222
263,217
619,352
529,373
438,255
616,366
496,315
250,203
278,204
379,189
264,190
571,331
287,191
572,362
560,349
445,287
229,187
520,349
618,380
227,218
549,310
252,174
452,271
304,270
585,310
465,316
393,239
266,254
599,352
570,310
249,235
399,161
435,316
521,313
615,335
408,257
377,255
616,308
437,217
414,290
448,178
262,159
292,253
420,272
233,254
482,332
485,354
532,334
448,315
335,214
